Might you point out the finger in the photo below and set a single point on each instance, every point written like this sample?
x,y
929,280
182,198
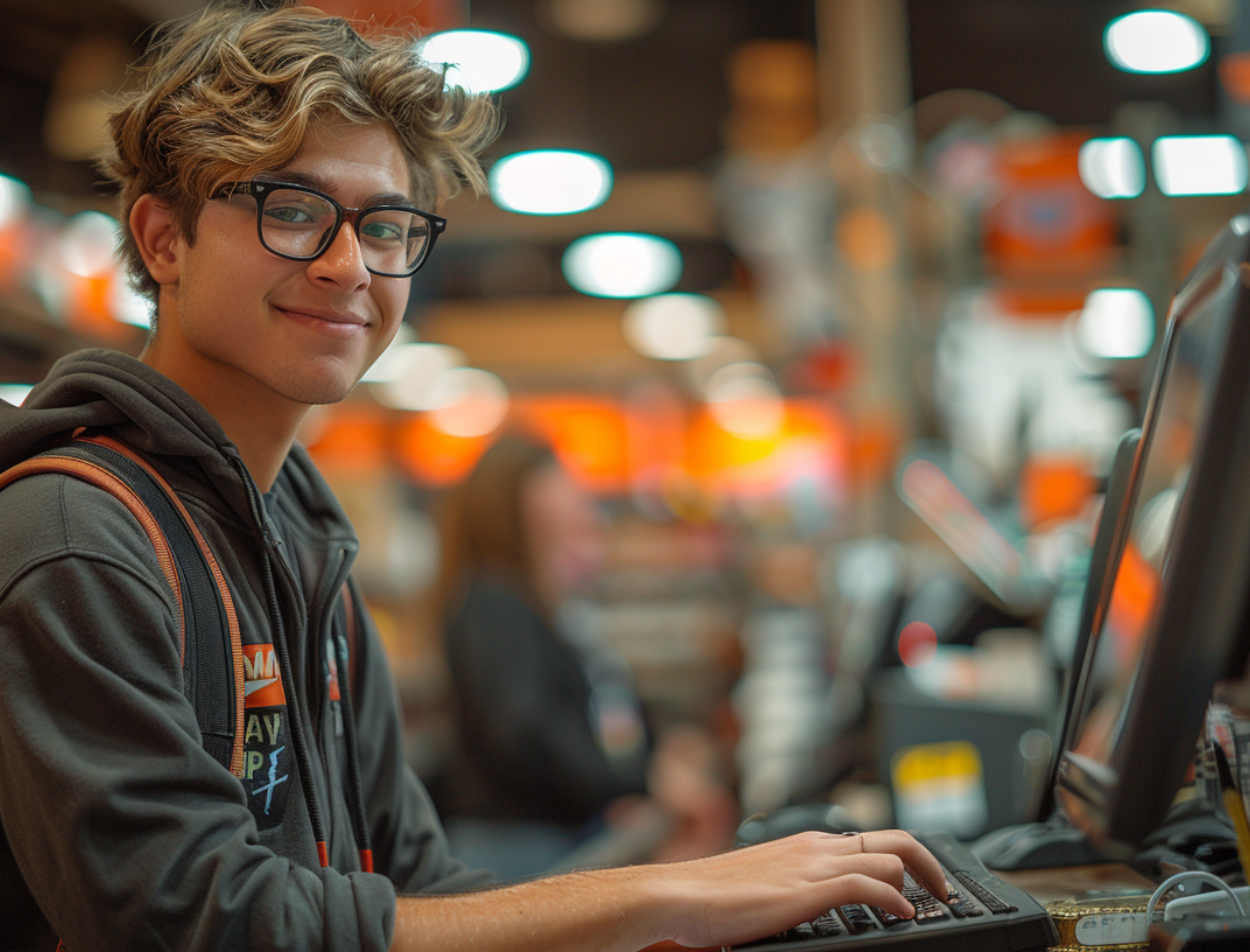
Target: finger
x,y
918,859
883,867
867,889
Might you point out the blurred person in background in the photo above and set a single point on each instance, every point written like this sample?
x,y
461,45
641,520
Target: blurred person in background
x,y
552,744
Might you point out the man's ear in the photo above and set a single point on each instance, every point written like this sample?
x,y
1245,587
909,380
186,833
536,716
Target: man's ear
x,y
157,235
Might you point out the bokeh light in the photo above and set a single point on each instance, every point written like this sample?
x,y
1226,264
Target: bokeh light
x,y
14,199
1156,41
1200,165
550,182
468,402
917,644
622,265
1116,323
744,400
89,243
481,61
1112,168
673,326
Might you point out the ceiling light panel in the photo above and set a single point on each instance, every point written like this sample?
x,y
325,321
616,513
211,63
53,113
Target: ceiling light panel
x,y
622,265
1156,41
481,61
550,182
1200,165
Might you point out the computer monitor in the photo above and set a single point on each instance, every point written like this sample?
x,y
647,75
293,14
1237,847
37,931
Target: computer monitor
x,y
1175,614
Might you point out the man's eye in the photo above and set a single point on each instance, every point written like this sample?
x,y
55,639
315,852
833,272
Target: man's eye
x,y
290,213
382,231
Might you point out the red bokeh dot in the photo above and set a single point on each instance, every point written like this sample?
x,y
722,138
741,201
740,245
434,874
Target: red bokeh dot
x,y
917,644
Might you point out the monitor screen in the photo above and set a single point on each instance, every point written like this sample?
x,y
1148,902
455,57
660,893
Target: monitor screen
x,y
1173,620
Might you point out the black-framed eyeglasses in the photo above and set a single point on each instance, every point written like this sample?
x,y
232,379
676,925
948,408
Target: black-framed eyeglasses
x,y
300,223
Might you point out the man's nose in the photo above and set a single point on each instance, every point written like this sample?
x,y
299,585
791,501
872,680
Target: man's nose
x,y
343,262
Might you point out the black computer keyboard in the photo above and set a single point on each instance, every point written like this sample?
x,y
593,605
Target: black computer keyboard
x,y
983,914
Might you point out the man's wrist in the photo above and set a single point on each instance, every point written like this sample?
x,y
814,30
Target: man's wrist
x,y
612,910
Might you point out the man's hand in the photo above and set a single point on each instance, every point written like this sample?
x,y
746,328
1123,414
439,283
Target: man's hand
x,y
748,893
725,899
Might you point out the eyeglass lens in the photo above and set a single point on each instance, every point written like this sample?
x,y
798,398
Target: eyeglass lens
x,y
392,241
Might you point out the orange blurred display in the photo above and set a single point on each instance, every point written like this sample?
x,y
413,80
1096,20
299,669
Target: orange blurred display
x,y
427,16
432,457
353,438
15,242
87,306
1054,488
1133,598
608,447
1046,220
588,435
811,440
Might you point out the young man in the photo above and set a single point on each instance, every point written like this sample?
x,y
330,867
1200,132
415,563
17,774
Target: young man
x,y
273,168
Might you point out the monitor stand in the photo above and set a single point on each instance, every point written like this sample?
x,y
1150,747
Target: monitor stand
x,y
1037,846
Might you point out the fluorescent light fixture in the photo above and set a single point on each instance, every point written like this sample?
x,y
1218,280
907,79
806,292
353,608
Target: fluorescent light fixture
x,y
673,326
1116,323
1156,41
1200,165
1112,168
550,182
88,244
15,393
468,402
481,61
622,265
14,199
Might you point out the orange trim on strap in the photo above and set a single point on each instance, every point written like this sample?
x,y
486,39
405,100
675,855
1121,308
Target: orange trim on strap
x,y
366,860
232,618
323,855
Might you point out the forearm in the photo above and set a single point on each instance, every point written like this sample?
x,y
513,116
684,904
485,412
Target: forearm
x,y
719,900
614,910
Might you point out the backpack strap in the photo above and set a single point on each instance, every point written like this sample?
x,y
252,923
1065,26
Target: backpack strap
x,y
213,668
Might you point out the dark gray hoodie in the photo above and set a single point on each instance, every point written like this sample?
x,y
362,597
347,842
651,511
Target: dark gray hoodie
x,y
119,830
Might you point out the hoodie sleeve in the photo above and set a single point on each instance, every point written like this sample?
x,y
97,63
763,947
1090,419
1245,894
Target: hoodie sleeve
x,y
127,833
409,844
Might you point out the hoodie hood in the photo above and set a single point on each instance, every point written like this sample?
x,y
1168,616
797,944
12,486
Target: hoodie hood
x,y
104,388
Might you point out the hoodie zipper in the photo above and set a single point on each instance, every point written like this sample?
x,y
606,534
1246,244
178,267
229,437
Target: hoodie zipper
x,y
298,739
353,792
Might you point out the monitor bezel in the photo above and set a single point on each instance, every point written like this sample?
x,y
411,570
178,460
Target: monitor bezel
x,y
1108,545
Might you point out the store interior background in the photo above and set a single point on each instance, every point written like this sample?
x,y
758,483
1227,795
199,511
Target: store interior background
x,y
883,201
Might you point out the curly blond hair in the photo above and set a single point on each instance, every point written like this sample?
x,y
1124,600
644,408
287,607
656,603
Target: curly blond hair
x,y
233,90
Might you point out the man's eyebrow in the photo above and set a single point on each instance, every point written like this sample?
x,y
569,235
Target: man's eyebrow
x,y
321,184
292,177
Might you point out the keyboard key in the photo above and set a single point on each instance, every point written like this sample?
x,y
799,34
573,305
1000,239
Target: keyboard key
x,y
961,908
803,930
936,914
988,899
826,926
857,919
887,919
